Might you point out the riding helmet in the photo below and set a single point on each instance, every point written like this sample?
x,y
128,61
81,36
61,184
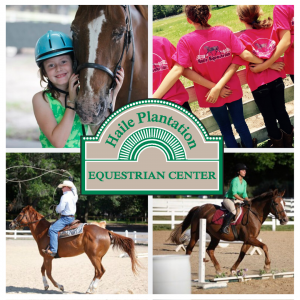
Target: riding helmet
x,y
240,166
51,44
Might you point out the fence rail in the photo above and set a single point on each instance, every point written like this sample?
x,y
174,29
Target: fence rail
x,y
138,237
180,207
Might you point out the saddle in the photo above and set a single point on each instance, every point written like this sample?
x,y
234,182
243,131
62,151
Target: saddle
x,y
221,211
73,225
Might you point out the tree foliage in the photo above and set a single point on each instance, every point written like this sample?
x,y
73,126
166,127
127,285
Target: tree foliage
x,y
39,192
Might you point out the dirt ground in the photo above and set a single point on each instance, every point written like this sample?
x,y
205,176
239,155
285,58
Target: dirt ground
x,y
23,275
281,250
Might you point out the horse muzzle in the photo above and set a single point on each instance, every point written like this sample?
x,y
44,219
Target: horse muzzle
x,y
93,113
284,221
12,226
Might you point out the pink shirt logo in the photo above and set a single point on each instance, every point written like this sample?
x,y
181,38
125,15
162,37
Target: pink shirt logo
x,y
263,47
292,21
211,51
159,64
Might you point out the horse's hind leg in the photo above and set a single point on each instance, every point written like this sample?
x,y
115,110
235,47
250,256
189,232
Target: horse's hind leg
x,y
43,269
99,271
193,240
48,266
211,253
243,252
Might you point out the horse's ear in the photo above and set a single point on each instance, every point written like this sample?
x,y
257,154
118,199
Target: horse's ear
x,y
282,193
275,192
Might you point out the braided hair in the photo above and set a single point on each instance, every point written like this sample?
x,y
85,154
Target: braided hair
x,y
198,14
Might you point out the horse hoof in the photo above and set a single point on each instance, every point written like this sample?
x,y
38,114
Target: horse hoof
x,y
233,272
267,268
46,287
62,288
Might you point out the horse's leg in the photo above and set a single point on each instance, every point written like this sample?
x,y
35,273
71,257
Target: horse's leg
x,y
43,269
48,266
243,252
255,242
193,240
211,253
99,271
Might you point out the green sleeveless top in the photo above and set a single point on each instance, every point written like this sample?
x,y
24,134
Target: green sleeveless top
x,y
58,112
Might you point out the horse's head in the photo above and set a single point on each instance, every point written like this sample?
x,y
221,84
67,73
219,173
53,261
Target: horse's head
x,y
277,207
99,37
23,218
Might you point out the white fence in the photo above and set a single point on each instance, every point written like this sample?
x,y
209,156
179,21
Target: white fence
x,y
180,207
138,237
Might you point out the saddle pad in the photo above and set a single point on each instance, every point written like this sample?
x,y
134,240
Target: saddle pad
x,y
72,232
218,217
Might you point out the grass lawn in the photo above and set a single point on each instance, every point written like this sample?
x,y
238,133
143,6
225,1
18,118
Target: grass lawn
x,y
173,28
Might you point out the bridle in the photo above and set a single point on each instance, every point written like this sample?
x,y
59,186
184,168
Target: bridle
x,y
128,39
273,205
18,223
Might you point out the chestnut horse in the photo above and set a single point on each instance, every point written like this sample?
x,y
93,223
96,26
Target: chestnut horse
x,y
254,216
104,38
94,241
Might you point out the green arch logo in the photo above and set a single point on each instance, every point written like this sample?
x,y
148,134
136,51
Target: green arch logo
x,y
152,137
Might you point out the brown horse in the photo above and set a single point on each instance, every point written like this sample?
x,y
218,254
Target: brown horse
x,y
94,241
253,218
101,37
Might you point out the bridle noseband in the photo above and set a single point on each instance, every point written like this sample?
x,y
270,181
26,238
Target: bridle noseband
x,y
18,223
128,39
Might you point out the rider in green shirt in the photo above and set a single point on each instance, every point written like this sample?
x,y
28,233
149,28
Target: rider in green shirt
x,y
236,194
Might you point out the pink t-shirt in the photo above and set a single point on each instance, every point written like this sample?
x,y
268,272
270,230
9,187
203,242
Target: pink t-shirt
x,y
162,64
258,42
209,52
283,16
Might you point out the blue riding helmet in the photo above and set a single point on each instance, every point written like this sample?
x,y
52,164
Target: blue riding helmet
x,y
51,44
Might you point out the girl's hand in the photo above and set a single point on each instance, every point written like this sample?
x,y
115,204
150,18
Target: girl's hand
x,y
119,80
73,84
225,92
256,68
213,95
278,66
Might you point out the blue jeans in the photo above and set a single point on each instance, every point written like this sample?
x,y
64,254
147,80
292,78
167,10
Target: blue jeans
x,y
222,118
55,228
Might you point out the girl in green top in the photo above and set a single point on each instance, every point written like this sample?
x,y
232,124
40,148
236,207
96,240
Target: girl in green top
x,y
236,194
54,108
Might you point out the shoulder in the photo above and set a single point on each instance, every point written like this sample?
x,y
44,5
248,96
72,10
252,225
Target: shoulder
x,y
234,180
223,29
38,99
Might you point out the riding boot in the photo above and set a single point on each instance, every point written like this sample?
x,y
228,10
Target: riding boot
x,y
227,220
277,143
288,139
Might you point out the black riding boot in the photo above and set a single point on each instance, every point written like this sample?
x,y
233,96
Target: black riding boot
x,y
227,220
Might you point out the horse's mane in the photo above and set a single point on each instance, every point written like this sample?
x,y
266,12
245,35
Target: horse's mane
x,y
33,212
262,196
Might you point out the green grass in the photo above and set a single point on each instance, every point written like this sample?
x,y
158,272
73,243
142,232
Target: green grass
x,y
174,28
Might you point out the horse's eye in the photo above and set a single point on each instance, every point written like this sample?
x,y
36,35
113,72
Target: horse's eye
x,y
118,33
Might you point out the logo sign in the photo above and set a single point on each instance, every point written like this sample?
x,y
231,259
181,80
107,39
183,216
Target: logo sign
x,y
152,147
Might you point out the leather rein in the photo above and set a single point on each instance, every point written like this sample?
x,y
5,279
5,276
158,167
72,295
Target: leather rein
x,y
128,39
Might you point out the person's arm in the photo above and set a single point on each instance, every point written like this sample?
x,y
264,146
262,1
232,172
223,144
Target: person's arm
x,y
62,204
214,93
283,45
169,81
248,56
57,134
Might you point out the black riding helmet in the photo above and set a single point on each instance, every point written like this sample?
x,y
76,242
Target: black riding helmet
x,y
240,166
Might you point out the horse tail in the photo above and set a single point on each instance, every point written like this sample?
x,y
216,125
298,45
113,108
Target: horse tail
x,y
182,227
125,244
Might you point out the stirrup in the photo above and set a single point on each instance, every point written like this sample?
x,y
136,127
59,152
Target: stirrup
x,y
48,252
225,230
